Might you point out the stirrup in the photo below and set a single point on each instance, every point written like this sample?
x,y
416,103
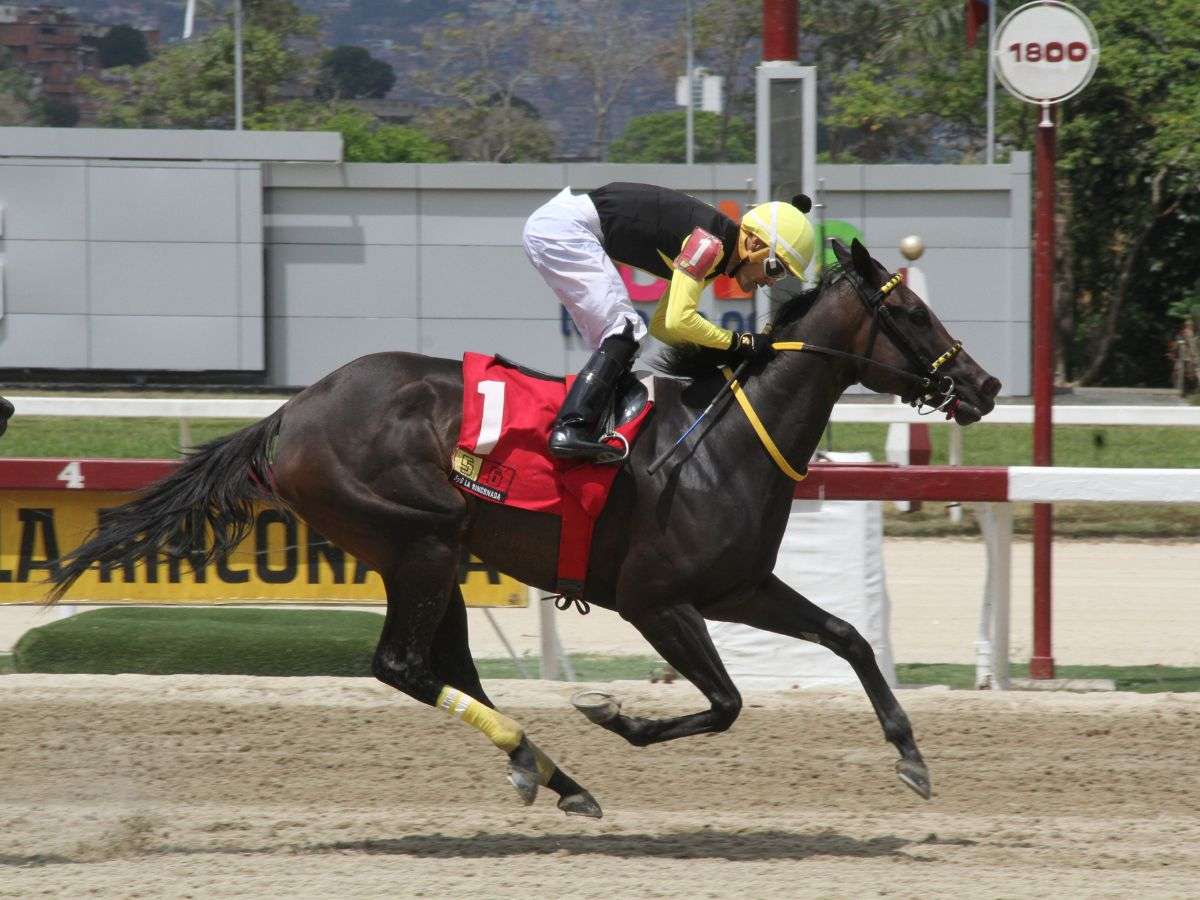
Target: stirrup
x,y
616,435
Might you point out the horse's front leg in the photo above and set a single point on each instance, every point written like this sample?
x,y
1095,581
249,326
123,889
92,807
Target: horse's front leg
x,y
776,607
680,636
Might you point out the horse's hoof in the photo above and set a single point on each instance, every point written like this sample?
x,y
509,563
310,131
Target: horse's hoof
x,y
598,706
581,804
525,781
915,775
523,771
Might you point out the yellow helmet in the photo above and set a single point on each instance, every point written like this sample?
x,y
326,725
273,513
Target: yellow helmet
x,y
785,230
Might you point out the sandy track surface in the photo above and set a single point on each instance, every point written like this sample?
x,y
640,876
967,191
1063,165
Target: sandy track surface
x,y
134,786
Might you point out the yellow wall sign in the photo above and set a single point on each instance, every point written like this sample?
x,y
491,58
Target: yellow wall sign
x,y
282,560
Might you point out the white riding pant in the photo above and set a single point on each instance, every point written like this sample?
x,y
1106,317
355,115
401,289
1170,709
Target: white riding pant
x,y
563,240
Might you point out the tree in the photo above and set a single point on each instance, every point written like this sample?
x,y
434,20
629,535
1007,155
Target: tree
x,y
1130,169
348,73
363,138
904,86
491,133
56,113
191,85
726,30
476,67
661,138
123,45
604,44
16,91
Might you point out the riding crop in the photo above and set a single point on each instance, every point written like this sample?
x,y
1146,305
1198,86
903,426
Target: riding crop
x,y
726,388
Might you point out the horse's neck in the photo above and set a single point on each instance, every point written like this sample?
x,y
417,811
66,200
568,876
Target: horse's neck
x,y
800,389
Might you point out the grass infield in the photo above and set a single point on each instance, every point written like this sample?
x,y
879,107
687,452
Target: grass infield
x,y
340,643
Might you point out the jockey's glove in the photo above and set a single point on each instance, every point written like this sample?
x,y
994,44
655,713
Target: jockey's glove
x,y
751,345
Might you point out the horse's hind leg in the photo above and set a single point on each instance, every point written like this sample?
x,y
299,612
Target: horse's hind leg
x,y
680,636
776,607
452,662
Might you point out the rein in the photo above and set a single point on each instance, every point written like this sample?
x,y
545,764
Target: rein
x,y
881,318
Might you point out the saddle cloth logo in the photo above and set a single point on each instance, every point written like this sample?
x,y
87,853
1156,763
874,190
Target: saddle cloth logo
x,y
502,454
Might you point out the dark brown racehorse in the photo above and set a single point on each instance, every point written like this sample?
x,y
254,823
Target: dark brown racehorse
x,y
363,456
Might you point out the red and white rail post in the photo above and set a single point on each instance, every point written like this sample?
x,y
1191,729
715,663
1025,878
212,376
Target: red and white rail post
x,y
1041,663
780,36
1044,52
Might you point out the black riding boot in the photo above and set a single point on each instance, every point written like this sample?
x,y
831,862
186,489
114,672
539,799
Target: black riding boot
x,y
574,434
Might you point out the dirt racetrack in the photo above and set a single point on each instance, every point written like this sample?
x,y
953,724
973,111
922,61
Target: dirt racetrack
x,y
184,786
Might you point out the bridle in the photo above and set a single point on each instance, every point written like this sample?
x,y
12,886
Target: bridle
x,y
929,385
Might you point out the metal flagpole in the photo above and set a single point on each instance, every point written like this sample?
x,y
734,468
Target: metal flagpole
x,y
237,65
691,126
991,85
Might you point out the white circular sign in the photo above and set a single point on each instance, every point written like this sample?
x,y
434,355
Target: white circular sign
x,y
1045,52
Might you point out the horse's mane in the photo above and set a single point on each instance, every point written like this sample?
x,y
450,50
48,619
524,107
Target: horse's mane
x,y
692,361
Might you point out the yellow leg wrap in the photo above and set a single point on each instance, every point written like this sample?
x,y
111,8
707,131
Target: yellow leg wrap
x,y
500,729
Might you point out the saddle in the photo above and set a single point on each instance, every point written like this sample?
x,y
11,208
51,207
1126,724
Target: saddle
x,y
629,399
502,455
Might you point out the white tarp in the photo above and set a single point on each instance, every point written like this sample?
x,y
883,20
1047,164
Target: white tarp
x,y
832,553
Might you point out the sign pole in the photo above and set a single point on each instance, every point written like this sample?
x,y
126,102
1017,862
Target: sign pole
x,y
1045,52
1041,664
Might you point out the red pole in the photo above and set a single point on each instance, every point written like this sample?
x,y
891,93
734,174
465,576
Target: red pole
x,y
1041,664
780,28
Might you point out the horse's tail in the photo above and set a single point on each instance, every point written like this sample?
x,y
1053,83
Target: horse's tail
x,y
213,491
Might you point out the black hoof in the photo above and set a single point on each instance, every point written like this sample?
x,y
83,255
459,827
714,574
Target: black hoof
x,y
598,706
915,775
523,772
581,804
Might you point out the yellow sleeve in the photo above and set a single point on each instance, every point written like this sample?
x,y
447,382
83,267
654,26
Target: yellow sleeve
x,y
677,321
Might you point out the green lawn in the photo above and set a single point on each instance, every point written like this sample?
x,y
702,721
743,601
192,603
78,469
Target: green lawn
x,y
288,642
1119,446
55,436
1141,679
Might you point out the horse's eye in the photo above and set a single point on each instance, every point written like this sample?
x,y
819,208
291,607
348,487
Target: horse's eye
x,y
920,315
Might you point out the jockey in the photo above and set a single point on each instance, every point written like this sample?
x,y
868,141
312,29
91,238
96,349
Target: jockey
x,y
573,241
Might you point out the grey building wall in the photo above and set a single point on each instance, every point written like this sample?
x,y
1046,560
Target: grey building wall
x,y
128,265
428,258
227,260
137,249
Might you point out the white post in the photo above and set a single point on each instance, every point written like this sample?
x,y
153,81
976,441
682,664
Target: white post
x,y
237,65
991,647
1002,605
548,637
983,642
991,88
691,96
185,435
956,453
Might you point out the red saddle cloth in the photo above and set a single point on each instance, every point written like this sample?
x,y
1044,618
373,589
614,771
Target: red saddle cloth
x,y
502,456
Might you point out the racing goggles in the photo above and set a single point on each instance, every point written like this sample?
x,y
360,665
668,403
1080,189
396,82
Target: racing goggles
x,y
773,266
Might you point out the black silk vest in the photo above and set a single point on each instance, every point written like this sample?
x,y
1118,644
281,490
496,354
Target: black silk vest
x,y
644,226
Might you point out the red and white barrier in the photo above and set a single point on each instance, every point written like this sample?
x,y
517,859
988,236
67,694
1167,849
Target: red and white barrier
x,y
992,488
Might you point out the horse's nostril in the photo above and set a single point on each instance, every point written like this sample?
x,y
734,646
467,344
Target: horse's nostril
x,y
990,387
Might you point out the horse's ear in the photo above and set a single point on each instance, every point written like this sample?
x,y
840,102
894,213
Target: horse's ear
x,y
863,264
841,251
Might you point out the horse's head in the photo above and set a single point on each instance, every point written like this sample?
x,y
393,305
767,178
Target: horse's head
x,y
920,361
6,410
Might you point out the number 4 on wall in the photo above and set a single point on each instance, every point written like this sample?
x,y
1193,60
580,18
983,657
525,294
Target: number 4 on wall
x,y
72,475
